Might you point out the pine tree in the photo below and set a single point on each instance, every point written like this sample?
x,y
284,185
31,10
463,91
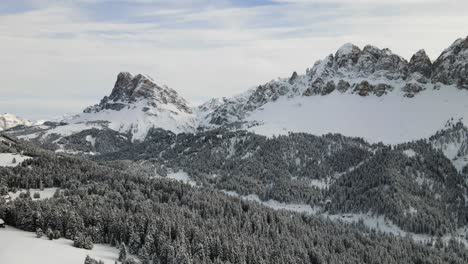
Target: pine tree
x,y
57,234
39,233
123,252
90,260
50,233
88,243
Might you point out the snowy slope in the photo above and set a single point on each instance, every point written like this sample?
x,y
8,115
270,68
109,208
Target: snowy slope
x,y
20,247
391,119
11,159
9,120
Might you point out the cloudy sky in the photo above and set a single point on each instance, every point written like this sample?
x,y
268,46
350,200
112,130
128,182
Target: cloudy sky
x,y
59,56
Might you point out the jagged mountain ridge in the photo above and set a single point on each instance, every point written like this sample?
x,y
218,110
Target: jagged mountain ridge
x,y
368,84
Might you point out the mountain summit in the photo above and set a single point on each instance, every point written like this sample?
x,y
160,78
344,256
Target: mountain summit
x,y
129,89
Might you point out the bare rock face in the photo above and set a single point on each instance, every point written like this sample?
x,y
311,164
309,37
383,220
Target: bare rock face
x,y
347,56
452,65
382,89
328,88
420,63
411,89
343,86
363,88
315,88
293,78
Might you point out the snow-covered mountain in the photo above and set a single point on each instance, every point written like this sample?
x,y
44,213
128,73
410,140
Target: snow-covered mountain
x,y
370,92
135,105
9,120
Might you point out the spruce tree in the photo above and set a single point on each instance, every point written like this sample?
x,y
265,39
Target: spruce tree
x,y
39,233
123,254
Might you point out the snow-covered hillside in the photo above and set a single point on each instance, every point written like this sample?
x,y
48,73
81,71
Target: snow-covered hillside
x,y
17,246
11,159
9,120
391,119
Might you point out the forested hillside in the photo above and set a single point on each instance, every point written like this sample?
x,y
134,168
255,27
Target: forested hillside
x,y
169,222
412,184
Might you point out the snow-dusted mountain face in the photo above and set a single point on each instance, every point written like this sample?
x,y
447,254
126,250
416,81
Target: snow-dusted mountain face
x,y
9,120
135,105
368,92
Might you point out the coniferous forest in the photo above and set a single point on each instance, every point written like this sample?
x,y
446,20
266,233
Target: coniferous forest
x,y
164,221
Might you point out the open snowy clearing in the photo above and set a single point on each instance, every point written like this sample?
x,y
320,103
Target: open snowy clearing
x,y
181,176
6,159
20,247
44,194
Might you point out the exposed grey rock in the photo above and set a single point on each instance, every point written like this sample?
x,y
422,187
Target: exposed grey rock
x,y
293,78
328,88
347,56
420,63
315,88
411,89
363,88
343,86
451,67
382,88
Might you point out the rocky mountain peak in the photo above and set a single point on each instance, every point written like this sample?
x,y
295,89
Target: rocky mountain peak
x,y
420,63
451,67
129,89
347,55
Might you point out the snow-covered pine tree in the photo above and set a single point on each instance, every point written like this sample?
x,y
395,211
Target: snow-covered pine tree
x,y
39,233
123,254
